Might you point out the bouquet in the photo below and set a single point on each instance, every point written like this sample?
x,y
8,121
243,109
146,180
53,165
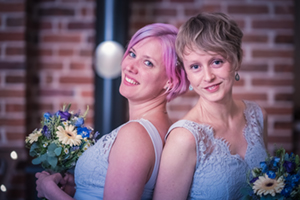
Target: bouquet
x,y
60,141
277,178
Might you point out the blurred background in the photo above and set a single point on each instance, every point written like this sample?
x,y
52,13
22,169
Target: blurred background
x,y
47,58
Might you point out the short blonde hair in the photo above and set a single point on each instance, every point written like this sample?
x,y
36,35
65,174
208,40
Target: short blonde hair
x,y
211,32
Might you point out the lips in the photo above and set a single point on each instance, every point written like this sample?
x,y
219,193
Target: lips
x,y
213,88
130,81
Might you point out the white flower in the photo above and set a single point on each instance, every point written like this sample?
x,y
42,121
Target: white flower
x,y
65,123
66,150
45,144
264,185
34,136
68,135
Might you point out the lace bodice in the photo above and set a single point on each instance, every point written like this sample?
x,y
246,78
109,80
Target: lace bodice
x,y
91,167
219,174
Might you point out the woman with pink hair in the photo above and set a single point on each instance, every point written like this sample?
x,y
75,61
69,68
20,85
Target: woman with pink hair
x,y
124,163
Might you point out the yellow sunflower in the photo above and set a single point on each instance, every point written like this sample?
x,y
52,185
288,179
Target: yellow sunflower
x,y
68,135
34,136
265,185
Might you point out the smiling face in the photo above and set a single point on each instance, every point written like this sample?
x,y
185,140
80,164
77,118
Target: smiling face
x,y
210,74
143,72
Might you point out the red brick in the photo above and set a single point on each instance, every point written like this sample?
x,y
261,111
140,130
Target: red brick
x,y
247,9
240,82
65,52
279,139
14,136
283,68
55,92
270,53
14,79
11,93
56,12
254,67
255,38
50,66
77,66
11,36
81,26
164,12
61,38
15,22
12,122
75,80
273,82
251,96
283,97
91,39
278,111
42,25
87,94
14,107
284,39
12,7
273,24
284,9
283,125
144,1
204,8
86,52
88,12
14,51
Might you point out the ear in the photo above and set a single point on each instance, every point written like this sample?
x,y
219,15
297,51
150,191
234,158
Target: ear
x,y
168,85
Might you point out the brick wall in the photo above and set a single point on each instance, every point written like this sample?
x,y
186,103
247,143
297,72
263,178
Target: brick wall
x,y
46,49
267,68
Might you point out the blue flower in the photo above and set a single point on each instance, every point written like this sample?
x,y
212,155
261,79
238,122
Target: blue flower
x,y
287,190
264,167
253,180
84,132
47,115
46,132
289,166
79,122
271,174
64,115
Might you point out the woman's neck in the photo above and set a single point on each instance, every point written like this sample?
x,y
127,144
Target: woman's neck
x,y
146,109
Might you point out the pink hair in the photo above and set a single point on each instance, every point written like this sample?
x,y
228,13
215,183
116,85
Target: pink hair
x,y
166,34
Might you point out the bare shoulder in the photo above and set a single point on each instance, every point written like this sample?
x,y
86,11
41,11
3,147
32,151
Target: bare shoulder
x,y
181,138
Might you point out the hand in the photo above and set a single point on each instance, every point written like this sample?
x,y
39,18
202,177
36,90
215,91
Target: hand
x,y
45,182
68,184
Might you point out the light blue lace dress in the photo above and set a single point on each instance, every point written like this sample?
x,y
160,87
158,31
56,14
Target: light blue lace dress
x,y
91,167
218,174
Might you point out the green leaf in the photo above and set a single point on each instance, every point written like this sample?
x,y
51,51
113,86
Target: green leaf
x,y
52,161
36,161
58,151
34,146
51,149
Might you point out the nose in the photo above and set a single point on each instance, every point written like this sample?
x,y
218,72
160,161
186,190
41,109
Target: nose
x,y
208,74
131,67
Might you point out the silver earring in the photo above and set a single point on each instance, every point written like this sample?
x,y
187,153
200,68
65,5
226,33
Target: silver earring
x,y
190,87
237,77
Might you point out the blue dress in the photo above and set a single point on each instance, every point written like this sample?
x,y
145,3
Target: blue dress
x,y
91,167
219,174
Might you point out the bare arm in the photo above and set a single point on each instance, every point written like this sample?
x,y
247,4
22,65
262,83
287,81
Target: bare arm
x,y
177,166
46,186
131,161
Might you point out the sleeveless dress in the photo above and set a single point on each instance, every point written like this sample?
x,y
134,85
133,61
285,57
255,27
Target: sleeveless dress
x,y
219,174
91,167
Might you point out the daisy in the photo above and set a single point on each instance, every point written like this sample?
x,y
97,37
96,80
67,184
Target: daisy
x,y
68,135
34,136
66,151
264,185
45,144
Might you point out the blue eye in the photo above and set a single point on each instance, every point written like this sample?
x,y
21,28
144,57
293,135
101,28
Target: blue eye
x,y
131,54
148,63
218,62
194,66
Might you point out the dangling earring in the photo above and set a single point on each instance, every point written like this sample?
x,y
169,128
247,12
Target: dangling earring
x,y
237,77
190,87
